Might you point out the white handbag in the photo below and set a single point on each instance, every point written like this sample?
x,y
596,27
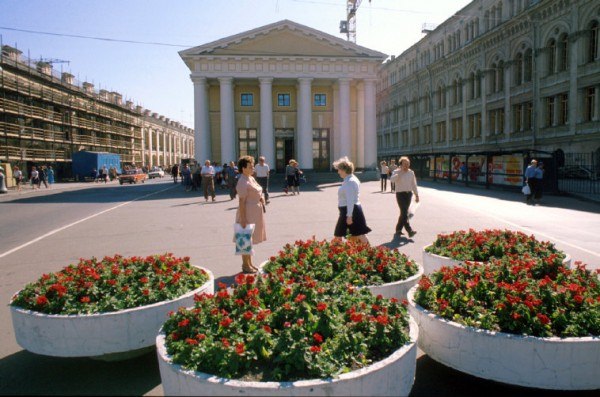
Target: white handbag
x,y
243,239
526,190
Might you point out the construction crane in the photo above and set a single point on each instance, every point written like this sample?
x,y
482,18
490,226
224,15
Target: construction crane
x,y
349,25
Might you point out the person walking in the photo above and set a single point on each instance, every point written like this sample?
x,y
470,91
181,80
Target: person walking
x,y
34,177
208,180
232,178
531,181
251,209
186,177
43,177
391,168
50,175
196,177
383,174
18,175
539,177
406,185
290,175
175,172
262,176
351,218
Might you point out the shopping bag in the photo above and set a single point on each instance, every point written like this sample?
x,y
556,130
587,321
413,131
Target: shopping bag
x,y
526,190
243,239
412,209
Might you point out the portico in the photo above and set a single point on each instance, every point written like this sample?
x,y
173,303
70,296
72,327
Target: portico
x,y
285,91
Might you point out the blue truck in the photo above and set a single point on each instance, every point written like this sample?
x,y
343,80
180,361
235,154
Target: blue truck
x,y
85,162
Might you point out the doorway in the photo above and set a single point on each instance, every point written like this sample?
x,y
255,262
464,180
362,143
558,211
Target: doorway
x,y
284,148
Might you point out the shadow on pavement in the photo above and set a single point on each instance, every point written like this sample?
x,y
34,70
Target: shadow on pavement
x,y
26,373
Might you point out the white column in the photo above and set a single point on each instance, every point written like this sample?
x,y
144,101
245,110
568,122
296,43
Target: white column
x,y
305,157
370,148
157,147
143,146
227,121
360,126
336,122
344,103
203,147
267,138
150,149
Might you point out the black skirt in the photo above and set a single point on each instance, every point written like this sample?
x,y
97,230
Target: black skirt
x,y
358,226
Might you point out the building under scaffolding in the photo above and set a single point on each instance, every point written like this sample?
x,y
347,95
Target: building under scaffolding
x,y
45,116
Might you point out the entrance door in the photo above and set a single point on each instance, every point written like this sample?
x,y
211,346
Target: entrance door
x,y
320,149
284,148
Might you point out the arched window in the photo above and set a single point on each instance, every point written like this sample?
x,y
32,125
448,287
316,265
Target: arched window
x,y
563,51
426,102
472,86
500,74
593,42
518,71
551,56
528,65
494,78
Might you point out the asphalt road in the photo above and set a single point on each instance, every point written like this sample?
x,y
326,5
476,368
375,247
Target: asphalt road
x,y
43,231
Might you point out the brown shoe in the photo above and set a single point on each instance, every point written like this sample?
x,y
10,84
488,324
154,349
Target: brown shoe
x,y
249,269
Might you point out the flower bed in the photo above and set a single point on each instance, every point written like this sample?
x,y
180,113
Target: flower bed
x,y
481,246
275,330
484,318
98,308
380,269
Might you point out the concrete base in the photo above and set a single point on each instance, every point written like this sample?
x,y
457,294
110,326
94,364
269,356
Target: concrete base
x,y
105,336
545,363
393,376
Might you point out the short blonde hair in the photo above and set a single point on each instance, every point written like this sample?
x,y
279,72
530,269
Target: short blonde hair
x,y
404,158
344,164
291,162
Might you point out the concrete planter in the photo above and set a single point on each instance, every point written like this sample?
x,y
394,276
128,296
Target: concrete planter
x,y
106,336
396,289
393,376
546,363
433,262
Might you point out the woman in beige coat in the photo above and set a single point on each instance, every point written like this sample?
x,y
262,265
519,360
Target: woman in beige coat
x,y
251,207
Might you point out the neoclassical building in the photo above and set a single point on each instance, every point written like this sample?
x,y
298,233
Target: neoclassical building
x,y
285,91
497,76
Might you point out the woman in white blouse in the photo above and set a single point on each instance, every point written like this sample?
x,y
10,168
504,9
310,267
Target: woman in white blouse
x,y
352,219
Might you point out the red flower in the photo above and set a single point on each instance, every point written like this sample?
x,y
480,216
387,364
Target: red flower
x,y
315,349
317,337
183,323
239,348
226,322
85,299
321,306
41,300
300,298
191,341
543,318
248,315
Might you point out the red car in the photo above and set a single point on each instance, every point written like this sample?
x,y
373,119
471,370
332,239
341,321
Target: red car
x,y
132,176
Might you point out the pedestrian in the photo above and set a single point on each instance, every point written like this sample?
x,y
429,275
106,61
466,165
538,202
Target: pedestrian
x,y
290,175
34,177
531,181
351,220
175,172
196,177
463,171
231,175
186,177
18,175
43,177
218,176
262,176
251,209
391,168
383,175
539,177
208,180
103,174
406,185
298,175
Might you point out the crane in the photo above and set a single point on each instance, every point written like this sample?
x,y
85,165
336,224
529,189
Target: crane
x,y
348,26
52,60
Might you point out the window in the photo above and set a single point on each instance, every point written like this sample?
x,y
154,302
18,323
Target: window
x,y
528,116
248,143
518,117
590,103
563,115
320,100
415,136
457,129
550,104
551,56
427,133
518,69
593,42
563,50
283,99
528,65
441,131
247,99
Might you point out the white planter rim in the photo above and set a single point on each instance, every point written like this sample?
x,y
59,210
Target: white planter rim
x,y
116,312
414,277
505,335
235,383
566,261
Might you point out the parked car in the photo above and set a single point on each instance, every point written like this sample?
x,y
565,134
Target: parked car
x,y
132,175
156,172
576,172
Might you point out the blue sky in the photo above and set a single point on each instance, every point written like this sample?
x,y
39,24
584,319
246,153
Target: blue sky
x,y
153,75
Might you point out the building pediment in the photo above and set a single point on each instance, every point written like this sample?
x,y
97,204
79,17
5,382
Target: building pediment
x,y
281,39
